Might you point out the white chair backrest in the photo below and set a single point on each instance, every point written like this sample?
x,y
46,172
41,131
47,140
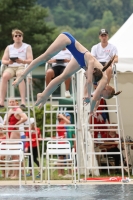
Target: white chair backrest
x,y
59,148
3,67
8,145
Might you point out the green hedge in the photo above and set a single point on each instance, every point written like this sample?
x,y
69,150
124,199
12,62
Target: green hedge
x,y
39,113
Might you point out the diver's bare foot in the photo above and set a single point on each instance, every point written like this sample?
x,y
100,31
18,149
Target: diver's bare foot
x,y
42,103
18,80
39,99
15,82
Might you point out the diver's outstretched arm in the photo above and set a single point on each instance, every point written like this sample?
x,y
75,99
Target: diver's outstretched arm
x,y
97,94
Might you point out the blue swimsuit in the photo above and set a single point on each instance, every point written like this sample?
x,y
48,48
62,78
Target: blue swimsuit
x,y
71,47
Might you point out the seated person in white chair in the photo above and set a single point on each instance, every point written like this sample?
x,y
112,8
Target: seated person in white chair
x,y
59,62
16,56
103,51
112,147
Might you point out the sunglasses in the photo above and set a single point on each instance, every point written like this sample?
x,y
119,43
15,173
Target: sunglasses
x,y
17,35
103,35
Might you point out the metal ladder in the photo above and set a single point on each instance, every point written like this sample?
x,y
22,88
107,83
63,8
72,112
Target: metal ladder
x,y
52,111
87,157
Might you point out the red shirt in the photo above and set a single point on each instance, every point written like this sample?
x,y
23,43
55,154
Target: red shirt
x,y
33,137
61,130
97,121
108,136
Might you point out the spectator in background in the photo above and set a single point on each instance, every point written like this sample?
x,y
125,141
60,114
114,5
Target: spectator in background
x,y
59,62
2,137
100,118
15,116
70,132
71,135
61,131
112,147
35,132
104,51
22,54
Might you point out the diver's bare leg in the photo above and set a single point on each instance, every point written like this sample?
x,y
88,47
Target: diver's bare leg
x,y
71,68
60,43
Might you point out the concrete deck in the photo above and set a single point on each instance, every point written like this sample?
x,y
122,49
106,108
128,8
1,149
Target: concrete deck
x,y
59,182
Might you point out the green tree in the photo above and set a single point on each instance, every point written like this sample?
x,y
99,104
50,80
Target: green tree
x,y
91,37
82,13
107,20
30,18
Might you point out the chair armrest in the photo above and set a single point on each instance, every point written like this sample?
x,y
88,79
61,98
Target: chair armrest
x,y
3,67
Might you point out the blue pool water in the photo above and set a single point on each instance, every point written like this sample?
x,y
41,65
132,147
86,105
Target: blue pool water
x,y
67,192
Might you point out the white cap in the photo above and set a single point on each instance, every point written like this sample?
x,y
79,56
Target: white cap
x,y
32,120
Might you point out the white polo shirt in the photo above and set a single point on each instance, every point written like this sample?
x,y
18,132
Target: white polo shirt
x,y
64,54
104,54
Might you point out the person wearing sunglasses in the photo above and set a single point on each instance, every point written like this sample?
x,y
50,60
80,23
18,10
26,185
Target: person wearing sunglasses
x,y
15,57
104,51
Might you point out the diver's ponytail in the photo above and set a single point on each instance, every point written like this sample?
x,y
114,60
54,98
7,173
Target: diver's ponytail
x,y
117,93
108,64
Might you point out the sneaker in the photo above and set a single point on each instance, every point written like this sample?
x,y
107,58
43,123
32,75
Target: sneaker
x,y
59,174
14,177
67,94
67,176
38,175
28,175
2,176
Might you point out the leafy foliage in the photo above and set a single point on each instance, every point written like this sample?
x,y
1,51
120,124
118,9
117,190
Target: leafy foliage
x,y
85,17
38,19
39,114
28,17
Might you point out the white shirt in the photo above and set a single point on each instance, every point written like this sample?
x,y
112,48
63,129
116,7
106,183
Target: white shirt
x,y
104,54
20,53
63,54
1,120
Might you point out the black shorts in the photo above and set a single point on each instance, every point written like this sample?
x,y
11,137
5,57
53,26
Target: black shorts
x,y
58,70
103,63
